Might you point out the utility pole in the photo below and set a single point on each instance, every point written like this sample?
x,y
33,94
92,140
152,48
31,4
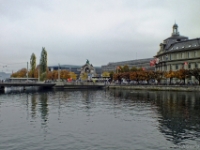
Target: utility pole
x,y
27,71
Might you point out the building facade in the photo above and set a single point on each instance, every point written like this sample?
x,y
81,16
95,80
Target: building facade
x,y
139,63
178,52
75,68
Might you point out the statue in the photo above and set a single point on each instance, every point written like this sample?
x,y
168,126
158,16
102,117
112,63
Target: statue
x,y
87,62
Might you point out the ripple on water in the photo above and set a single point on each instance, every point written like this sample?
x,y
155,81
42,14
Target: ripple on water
x,y
96,120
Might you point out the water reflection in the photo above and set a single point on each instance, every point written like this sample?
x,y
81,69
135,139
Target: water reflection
x,y
44,106
33,106
179,119
103,117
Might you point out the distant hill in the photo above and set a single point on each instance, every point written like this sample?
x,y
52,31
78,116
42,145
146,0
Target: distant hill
x,y
4,75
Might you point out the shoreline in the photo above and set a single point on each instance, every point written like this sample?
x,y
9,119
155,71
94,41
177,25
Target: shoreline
x,y
188,88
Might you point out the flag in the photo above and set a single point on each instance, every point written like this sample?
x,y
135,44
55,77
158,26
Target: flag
x,y
152,62
118,68
157,60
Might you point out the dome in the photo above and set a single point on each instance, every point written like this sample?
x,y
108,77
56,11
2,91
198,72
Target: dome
x,y
175,26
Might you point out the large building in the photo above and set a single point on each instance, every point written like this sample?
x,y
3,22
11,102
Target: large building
x,y
74,68
139,63
177,52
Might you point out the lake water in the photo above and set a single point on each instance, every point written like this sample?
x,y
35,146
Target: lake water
x,y
99,120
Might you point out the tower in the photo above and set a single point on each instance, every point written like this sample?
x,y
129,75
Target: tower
x,y
175,30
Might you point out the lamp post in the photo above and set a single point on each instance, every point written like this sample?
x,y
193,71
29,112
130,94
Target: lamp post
x,y
59,72
38,73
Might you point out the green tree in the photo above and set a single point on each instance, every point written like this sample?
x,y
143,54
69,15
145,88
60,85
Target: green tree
x,y
32,64
43,61
133,69
126,68
111,75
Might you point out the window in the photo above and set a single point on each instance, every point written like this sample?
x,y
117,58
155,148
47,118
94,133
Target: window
x,y
189,65
166,57
194,53
188,54
177,66
196,65
183,46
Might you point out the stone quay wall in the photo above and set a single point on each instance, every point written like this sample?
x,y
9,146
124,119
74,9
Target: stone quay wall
x,y
157,87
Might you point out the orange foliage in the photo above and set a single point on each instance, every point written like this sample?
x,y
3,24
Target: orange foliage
x,y
20,74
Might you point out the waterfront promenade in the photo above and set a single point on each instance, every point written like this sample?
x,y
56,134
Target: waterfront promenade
x,y
188,88
55,85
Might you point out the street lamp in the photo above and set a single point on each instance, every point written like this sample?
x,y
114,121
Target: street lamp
x,y
59,72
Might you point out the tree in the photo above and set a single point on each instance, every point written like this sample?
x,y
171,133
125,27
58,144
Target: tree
x,y
105,74
64,74
20,74
133,69
135,76
117,76
43,61
111,75
159,76
84,76
196,73
32,65
182,74
170,75
149,75
126,68
73,75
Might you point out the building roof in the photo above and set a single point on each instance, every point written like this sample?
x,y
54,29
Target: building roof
x,y
185,45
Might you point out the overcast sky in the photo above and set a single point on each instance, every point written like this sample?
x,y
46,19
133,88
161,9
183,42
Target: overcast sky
x,y
102,31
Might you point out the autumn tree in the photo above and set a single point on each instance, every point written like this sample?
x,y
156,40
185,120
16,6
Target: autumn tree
x,y
182,74
159,76
149,75
126,76
84,76
32,65
73,75
20,74
169,75
117,76
105,74
135,76
64,74
196,73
